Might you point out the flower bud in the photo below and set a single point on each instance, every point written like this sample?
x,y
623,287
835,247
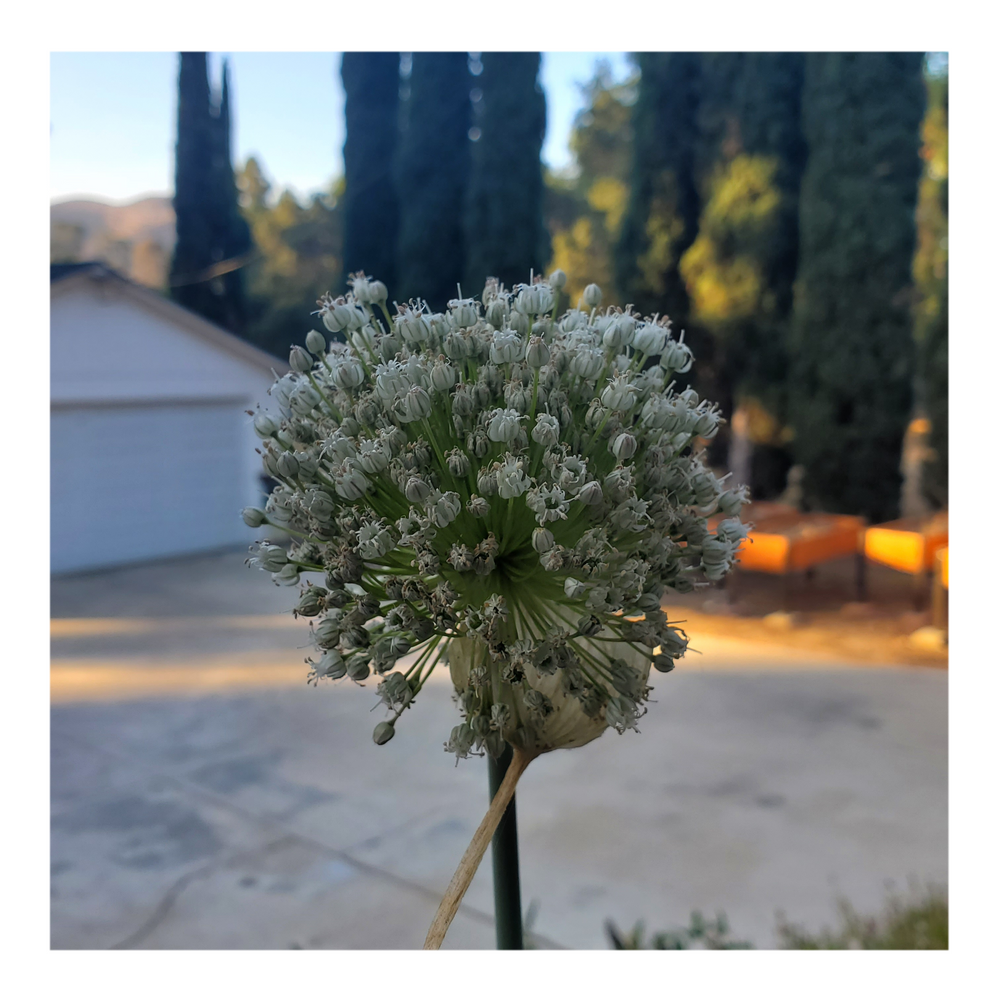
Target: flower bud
x,y
299,360
331,665
418,404
384,731
542,540
478,506
287,465
592,296
253,517
538,353
416,490
486,482
287,576
358,669
463,312
586,363
349,374
497,311
557,280
458,463
546,430
443,376
619,394
316,342
730,503
590,493
507,347
574,588
624,446
446,509
377,291
265,425
650,339
311,603
520,323
504,425
456,347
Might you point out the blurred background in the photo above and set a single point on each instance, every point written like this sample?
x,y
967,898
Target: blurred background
x,y
787,211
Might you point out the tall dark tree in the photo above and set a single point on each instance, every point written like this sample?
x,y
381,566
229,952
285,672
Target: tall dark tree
x,y
371,208
195,190
852,347
232,236
505,229
662,217
213,239
433,176
740,270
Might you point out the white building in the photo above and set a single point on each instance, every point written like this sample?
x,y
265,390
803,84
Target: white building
x,y
152,451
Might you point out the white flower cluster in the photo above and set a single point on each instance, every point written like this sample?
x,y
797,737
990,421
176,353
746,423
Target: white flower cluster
x,y
518,488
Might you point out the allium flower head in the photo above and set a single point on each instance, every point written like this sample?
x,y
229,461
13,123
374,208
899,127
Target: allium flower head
x,y
498,489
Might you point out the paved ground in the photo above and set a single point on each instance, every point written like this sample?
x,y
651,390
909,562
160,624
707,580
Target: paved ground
x,y
204,797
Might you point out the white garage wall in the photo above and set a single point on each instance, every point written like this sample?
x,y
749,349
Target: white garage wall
x,y
152,452
142,482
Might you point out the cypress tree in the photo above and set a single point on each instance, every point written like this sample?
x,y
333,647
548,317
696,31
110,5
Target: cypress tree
x,y
433,165
852,348
195,188
505,234
371,208
662,216
232,235
740,269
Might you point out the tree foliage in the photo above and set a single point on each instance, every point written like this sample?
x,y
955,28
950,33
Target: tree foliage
x,y
433,174
852,345
371,206
505,229
586,211
739,270
930,273
661,220
300,258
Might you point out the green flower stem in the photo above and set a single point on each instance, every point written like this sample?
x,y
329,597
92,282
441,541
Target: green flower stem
x,y
506,873
326,399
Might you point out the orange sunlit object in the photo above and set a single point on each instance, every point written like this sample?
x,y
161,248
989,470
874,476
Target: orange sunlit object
x,y
943,560
908,544
809,540
784,540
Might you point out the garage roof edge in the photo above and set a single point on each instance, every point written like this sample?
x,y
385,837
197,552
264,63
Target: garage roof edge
x,y
65,278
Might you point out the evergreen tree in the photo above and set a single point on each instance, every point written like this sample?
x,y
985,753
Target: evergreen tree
x,y
433,165
662,216
213,239
852,347
195,189
930,272
505,234
371,208
740,269
232,235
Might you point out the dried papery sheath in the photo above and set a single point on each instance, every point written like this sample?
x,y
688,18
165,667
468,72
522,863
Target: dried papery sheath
x,y
500,490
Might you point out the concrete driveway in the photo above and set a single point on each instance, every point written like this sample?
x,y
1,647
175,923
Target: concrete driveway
x,y
203,796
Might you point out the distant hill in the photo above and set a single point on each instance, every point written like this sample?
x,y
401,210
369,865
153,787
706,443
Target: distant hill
x,y
136,239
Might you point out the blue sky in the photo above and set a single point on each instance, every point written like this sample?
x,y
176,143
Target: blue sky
x,y
112,117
